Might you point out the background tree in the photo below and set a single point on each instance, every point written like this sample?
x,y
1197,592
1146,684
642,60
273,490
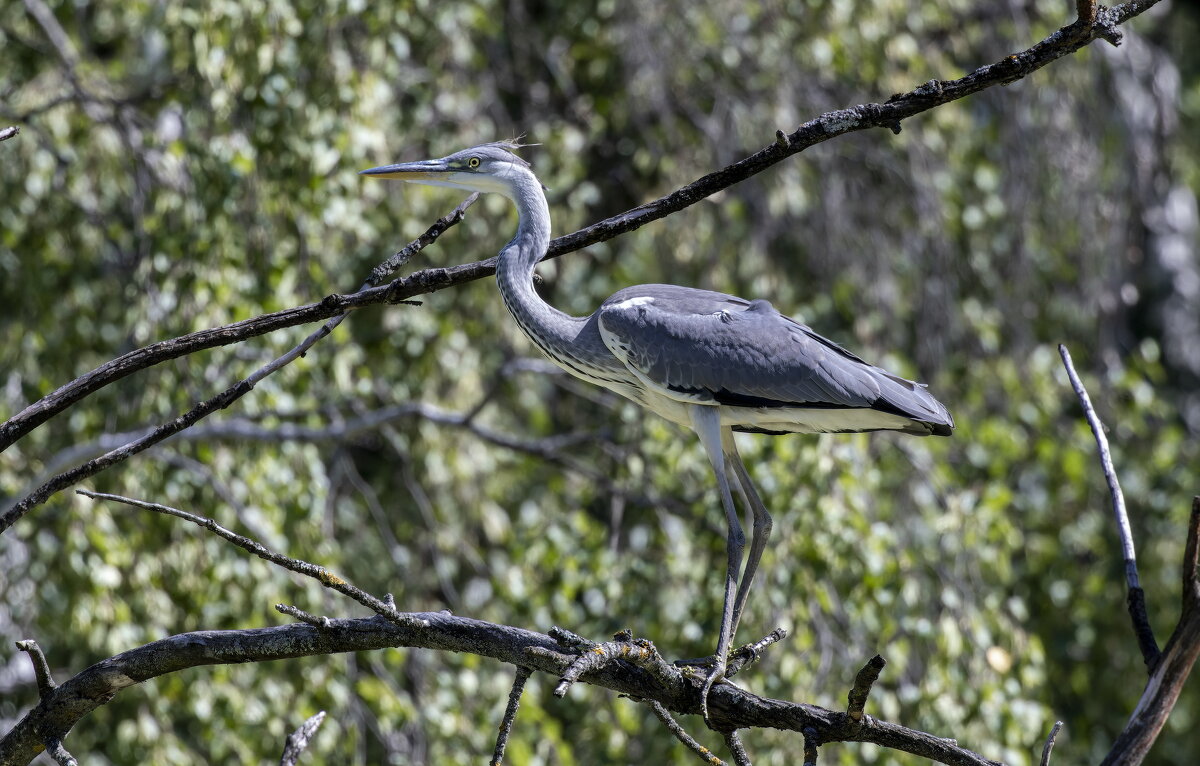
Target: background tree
x,y
179,168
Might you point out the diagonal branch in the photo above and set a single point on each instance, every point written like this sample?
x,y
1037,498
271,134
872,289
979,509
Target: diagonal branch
x,y
298,740
318,573
1136,599
889,115
333,306
1173,667
510,714
702,752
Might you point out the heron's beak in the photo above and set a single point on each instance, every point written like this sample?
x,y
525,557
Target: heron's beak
x,y
423,171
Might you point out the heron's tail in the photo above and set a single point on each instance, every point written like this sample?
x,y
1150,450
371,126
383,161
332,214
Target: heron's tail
x,y
913,401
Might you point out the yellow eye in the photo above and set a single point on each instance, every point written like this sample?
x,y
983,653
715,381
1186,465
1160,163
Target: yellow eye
x,y
473,162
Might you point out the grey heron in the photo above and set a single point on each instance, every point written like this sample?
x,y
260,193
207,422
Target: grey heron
x,y
709,361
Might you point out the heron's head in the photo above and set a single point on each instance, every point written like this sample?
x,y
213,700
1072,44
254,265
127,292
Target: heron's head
x,y
486,168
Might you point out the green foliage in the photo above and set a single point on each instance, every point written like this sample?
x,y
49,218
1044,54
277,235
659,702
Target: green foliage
x,y
198,168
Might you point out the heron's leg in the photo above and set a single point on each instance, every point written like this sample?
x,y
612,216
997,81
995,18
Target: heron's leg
x,y
706,420
762,523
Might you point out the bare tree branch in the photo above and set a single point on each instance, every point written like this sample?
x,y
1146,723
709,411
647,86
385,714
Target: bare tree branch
x,y
333,306
702,752
1174,664
629,666
731,707
318,573
244,429
1049,746
60,755
734,743
510,714
810,747
41,668
1136,599
899,107
298,740
1170,668
863,682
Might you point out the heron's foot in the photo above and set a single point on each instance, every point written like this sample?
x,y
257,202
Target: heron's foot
x,y
715,674
711,671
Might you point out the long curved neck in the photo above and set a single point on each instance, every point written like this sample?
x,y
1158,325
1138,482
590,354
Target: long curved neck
x,y
572,342
514,272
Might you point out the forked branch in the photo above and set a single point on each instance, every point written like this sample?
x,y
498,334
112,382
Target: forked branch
x,y
1136,598
1169,669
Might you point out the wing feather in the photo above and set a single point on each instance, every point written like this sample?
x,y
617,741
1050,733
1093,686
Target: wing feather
x,y
698,345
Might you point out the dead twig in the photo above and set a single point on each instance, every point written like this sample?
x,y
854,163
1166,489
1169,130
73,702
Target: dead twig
x,y
702,752
862,687
41,668
734,743
60,755
510,713
745,656
1173,667
1050,743
320,574
297,741
1136,598
810,747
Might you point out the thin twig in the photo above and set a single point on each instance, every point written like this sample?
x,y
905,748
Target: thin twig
x,y
862,117
298,740
1191,559
673,726
734,742
1174,665
59,754
1086,11
41,668
320,574
1136,599
57,36
510,713
1046,748
384,270
317,621
341,429
745,656
810,746
862,687
568,640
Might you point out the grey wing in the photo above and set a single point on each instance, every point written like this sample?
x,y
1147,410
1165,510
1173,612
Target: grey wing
x,y
697,345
